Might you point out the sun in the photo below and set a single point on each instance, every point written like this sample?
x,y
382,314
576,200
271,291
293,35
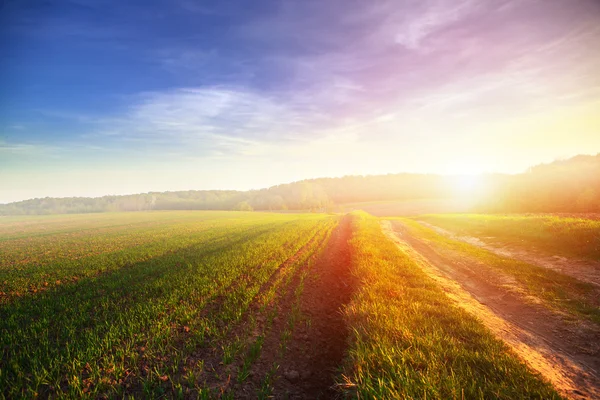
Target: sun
x,y
467,185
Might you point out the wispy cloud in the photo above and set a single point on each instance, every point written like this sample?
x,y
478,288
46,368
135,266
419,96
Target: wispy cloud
x,y
435,15
21,148
22,154
212,121
341,59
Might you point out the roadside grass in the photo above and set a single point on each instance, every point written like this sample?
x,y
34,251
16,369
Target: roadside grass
x,y
555,235
557,291
134,327
408,340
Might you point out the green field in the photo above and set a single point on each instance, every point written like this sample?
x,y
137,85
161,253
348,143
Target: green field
x,y
117,304
199,304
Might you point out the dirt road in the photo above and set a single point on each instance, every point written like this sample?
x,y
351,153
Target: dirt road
x,y
565,353
584,270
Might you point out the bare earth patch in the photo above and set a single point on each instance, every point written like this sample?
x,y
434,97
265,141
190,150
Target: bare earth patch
x,y
316,350
566,354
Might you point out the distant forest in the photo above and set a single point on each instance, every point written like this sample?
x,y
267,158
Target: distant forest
x,y
571,185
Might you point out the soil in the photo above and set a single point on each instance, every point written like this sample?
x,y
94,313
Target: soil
x,y
584,270
565,352
315,351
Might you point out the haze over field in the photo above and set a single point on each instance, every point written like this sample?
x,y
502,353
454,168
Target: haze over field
x,y
107,97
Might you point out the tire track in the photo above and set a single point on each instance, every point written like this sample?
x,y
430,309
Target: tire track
x,y
567,356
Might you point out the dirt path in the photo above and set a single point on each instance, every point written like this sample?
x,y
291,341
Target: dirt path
x,y
566,354
313,353
316,350
584,270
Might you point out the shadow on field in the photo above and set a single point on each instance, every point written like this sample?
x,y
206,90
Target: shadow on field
x,y
72,321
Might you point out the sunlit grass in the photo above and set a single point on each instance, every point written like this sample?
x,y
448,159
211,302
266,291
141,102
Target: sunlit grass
x,y
408,340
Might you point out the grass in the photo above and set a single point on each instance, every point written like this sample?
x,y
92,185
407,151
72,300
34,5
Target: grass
x,y
556,235
408,340
62,249
133,297
558,291
189,304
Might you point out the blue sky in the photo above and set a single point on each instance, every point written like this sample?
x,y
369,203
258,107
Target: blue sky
x,y
110,97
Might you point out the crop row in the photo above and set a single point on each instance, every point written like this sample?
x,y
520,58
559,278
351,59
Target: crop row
x,y
142,325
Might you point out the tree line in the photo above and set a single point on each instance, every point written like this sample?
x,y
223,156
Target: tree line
x,y
571,185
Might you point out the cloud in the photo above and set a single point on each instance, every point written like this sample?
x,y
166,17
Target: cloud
x,y
343,58
210,121
505,78
24,154
21,148
413,29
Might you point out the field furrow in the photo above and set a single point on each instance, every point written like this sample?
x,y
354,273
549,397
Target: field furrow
x,y
131,328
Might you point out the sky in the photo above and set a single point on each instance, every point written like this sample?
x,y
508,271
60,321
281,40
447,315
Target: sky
x,y
112,97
